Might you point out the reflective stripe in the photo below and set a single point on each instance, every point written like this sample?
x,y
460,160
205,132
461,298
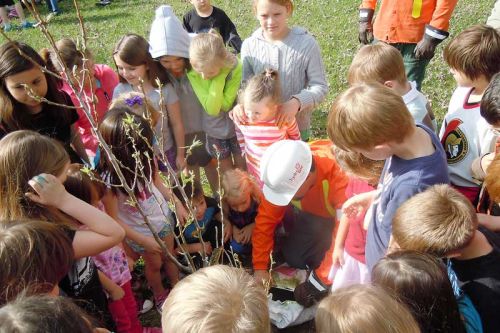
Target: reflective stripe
x,y
417,9
317,284
326,189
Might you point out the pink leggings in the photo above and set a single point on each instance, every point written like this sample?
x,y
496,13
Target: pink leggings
x,y
124,312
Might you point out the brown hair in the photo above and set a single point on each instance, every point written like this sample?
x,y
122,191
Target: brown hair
x,y
41,314
144,108
421,282
490,102
260,86
125,138
378,62
235,181
474,52
79,184
363,308
34,257
134,50
208,49
13,114
24,155
70,55
285,3
359,165
437,221
216,299
366,115
492,180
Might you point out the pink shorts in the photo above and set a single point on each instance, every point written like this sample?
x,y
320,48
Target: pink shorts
x,y
352,272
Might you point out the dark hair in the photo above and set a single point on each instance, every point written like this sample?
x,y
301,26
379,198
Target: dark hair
x,y
14,115
193,190
475,52
260,86
134,50
81,185
490,103
421,282
122,135
34,257
41,314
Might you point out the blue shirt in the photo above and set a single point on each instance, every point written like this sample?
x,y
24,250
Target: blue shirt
x,y
399,181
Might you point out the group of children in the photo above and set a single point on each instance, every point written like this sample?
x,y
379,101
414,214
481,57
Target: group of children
x,y
409,230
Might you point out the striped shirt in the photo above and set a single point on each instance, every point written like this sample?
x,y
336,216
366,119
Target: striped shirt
x,y
255,138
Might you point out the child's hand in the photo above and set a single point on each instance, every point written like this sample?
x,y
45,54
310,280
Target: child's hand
x,y
246,233
288,112
237,114
49,190
236,234
338,257
208,248
228,231
357,205
151,245
180,212
180,162
116,293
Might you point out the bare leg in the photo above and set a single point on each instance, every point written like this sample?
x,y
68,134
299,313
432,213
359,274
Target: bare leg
x,y
211,174
239,162
4,16
171,268
152,271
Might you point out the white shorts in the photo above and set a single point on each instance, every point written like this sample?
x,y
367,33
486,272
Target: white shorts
x,y
352,272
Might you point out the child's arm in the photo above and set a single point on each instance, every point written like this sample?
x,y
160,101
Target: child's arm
x,y
77,143
174,115
103,232
338,249
115,291
180,210
358,204
489,221
110,203
231,87
241,138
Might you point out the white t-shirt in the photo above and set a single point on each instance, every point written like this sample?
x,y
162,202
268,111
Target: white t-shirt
x,y
416,103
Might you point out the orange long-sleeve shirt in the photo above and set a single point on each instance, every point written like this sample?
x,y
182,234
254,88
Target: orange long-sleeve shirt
x,y
316,202
403,21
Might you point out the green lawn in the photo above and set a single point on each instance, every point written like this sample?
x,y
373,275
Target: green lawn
x,y
333,22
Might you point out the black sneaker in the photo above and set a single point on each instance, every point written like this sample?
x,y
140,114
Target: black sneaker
x,y
310,292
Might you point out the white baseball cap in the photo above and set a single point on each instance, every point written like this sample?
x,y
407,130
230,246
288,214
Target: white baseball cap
x,y
283,169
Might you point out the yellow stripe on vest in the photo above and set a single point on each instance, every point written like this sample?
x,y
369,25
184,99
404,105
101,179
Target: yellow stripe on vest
x,y
326,189
417,9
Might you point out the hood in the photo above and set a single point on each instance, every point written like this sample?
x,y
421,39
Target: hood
x,y
167,36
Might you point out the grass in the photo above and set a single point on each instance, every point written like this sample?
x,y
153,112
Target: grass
x,y
332,22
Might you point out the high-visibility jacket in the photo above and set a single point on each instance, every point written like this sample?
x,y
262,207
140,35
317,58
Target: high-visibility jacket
x,y
323,199
404,21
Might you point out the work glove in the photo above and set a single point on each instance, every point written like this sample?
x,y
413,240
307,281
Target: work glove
x,y
310,292
365,29
426,48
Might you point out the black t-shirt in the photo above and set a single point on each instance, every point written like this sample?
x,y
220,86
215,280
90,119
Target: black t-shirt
x,y
82,284
219,21
480,279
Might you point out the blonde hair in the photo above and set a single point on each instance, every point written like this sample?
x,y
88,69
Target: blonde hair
x,y
235,181
216,299
378,62
260,86
437,221
285,3
367,115
359,165
138,104
363,308
208,50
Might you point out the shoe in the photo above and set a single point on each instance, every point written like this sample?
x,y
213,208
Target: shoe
x,y
146,306
310,292
103,3
160,299
27,25
13,13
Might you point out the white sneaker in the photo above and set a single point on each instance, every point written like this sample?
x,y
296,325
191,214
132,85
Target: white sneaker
x,y
146,306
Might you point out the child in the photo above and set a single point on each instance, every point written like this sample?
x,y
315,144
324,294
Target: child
x,y
41,314
261,100
216,299
170,46
361,308
35,256
95,81
294,53
204,17
373,120
5,18
114,272
348,262
19,110
241,198
35,165
383,63
149,190
420,281
215,78
138,72
473,59
442,222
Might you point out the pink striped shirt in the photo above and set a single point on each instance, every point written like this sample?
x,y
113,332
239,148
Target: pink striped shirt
x,y
256,137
